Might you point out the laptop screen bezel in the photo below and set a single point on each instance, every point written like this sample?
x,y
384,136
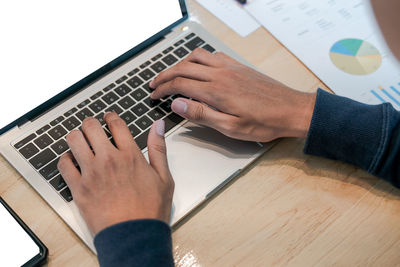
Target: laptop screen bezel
x,y
52,102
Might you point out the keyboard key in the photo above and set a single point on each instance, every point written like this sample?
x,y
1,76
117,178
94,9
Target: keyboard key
x,y
166,106
156,114
43,141
123,90
42,158
50,170
114,108
100,118
209,48
25,141
127,102
110,98
135,82
157,57
141,140
181,52
147,87
57,121
29,151
139,94
71,123
84,103
179,96
97,106
66,194
128,117
134,130
70,112
58,183
133,72
195,43
171,121
140,109
147,74
144,122
179,43
60,147
108,88
169,49
57,132
190,36
43,129
169,60
121,80
151,102
96,95
83,114
158,67
144,65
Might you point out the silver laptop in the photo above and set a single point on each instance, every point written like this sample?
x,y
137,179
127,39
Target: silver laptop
x,y
62,61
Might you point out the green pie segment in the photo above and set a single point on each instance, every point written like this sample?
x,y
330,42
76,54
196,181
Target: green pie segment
x,y
356,56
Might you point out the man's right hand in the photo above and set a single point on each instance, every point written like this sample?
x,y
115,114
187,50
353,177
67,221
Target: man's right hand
x,y
235,99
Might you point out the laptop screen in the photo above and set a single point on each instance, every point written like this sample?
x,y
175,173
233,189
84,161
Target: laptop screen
x,y
47,46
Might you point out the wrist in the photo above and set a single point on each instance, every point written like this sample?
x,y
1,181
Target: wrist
x,y
301,115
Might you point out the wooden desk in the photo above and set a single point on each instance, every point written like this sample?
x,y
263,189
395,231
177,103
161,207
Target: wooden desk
x,y
286,209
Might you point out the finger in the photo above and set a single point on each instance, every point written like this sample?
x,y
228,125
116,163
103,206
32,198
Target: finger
x,y
95,135
187,87
225,58
183,69
204,57
202,114
80,148
122,136
69,171
158,151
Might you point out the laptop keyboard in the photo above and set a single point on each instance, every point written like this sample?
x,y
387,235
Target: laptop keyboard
x,y
129,96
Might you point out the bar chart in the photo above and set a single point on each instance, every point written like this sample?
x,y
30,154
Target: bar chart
x,y
388,95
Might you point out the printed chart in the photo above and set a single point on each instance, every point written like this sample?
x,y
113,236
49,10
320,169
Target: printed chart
x,y
338,40
355,56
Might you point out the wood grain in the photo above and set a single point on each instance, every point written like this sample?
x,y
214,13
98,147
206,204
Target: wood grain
x,y
287,209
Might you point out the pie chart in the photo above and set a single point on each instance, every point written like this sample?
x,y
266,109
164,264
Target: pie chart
x,y
355,56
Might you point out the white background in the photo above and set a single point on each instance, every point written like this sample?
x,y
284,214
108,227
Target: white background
x,y
16,247
47,46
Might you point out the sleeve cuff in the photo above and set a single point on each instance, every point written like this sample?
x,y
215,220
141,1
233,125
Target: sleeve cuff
x,y
135,243
346,130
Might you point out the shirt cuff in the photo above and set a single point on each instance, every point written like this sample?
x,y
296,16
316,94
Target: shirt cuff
x,y
135,243
346,130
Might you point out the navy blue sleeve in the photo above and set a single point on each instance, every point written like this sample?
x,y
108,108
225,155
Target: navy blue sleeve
x,y
135,243
366,136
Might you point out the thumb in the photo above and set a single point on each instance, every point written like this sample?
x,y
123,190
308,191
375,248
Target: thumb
x,y
157,150
199,113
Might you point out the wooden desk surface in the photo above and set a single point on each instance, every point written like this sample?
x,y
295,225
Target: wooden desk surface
x,y
286,209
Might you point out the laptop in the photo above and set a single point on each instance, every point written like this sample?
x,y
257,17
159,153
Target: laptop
x,y
63,61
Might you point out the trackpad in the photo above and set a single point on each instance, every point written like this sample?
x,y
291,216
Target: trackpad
x,y
200,160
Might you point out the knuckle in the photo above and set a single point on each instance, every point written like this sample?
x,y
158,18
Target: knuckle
x,y
198,113
177,82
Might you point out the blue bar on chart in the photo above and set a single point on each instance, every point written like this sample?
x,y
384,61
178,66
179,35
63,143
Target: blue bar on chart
x,y
393,95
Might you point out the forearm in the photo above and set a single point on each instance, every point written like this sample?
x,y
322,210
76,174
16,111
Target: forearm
x,y
363,135
135,243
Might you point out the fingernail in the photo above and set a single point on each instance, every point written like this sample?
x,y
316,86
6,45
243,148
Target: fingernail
x,y
179,106
160,127
151,84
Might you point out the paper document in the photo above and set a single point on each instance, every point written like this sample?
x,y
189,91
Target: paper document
x,y
232,14
339,40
